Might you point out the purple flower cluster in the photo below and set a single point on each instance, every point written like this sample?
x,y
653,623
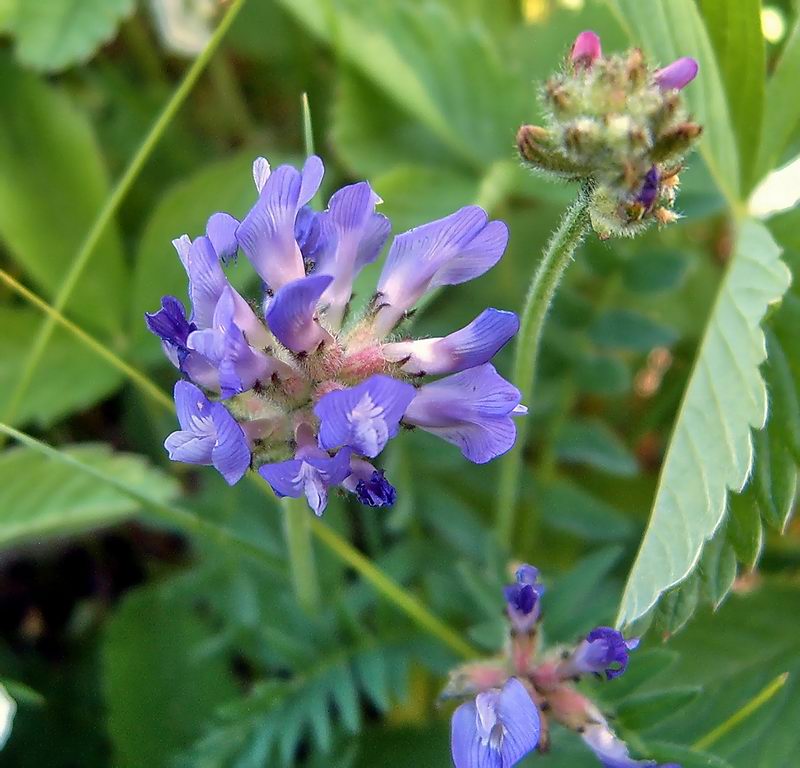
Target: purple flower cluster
x,y
293,387
513,700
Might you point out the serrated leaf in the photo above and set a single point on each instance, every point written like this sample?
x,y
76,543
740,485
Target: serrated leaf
x,y
646,709
677,606
52,183
670,29
710,451
781,107
53,35
73,379
717,568
40,499
744,529
735,32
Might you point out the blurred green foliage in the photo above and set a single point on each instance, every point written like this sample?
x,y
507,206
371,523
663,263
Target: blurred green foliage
x,y
153,649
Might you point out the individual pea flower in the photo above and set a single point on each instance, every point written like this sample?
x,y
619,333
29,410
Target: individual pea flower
x,y
604,650
619,126
547,677
497,729
288,383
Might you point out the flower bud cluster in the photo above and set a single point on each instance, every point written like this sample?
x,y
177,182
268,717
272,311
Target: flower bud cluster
x,y
514,698
619,125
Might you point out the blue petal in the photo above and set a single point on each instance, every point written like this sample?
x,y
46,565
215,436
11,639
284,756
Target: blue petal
x,y
231,453
466,746
520,720
470,409
266,234
187,447
221,231
291,314
311,178
473,345
363,417
613,752
207,281
452,250
284,476
193,408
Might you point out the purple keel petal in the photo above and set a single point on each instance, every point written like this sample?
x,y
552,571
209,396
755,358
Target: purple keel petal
x,y
292,314
207,281
369,485
170,323
364,417
194,442
678,74
231,453
355,235
471,409
189,448
473,345
221,231
452,250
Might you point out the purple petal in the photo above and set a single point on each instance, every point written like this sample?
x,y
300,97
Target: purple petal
x,y
170,323
586,49
611,751
231,453
285,477
266,234
452,250
221,231
311,178
292,314
471,409
369,485
193,408
189,448
473,345
520,720
466,746
678,74
363,417
355,235
183,245
207,281
649,191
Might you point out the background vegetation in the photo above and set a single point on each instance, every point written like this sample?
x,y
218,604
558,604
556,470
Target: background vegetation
x,y
146,610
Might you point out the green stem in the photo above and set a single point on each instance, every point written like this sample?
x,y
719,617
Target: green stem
x,y
112,204
297,529
556,257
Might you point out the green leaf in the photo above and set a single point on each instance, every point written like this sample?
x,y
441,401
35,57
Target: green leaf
x,y
603,375
629,330
40,499
646,709
744,529
226,185
74,379
159,687
710,451
56,34
735,32
592,443
565,506
655,271
441,68
52,183
670,29
781,106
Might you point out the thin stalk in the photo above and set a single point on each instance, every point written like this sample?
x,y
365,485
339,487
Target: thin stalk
x,y
758,701
112,204
300,548
556,257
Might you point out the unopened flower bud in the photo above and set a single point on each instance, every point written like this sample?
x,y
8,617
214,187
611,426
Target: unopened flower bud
x,y
586,49
678,74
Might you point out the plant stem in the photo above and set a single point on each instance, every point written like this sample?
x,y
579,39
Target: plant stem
x,y
297,529
112,204
556,257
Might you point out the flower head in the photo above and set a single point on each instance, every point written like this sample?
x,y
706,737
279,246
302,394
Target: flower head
x,y
292,385
523,599
620,125
497,729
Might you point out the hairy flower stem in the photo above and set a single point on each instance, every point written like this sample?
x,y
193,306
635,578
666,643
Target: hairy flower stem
x,y
302,564
556,257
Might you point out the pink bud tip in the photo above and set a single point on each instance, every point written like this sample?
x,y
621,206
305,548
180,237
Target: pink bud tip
x,y
678,74
586,49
